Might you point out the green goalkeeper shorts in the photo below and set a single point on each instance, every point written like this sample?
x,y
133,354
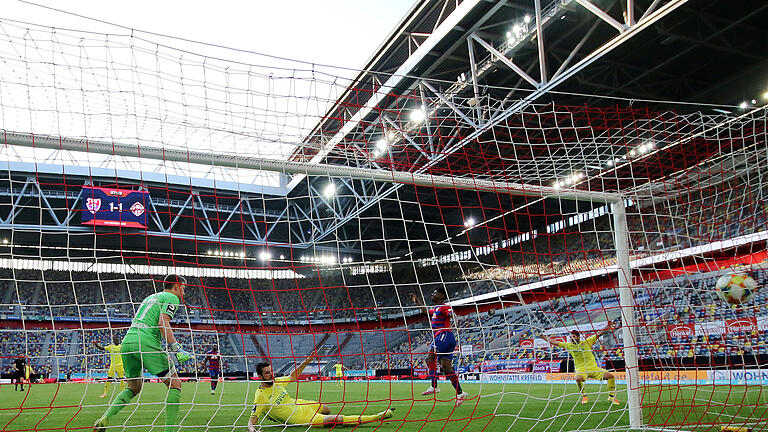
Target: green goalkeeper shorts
x,y
145,355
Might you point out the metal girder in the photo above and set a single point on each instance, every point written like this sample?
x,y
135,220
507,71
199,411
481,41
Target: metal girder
x,y
601,14
503,58
402,72
544,85
64,217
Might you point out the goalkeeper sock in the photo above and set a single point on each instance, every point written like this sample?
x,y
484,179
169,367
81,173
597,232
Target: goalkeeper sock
x,y
353,419
213,384
432,366
106,386
122,384
121,400
455,381
612,387
580,384
172,409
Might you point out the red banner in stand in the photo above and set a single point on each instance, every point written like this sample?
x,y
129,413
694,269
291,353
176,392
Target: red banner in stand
x,y
680,330
746,324
526,343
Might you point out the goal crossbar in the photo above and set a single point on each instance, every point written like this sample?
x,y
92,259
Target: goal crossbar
x,y
292,167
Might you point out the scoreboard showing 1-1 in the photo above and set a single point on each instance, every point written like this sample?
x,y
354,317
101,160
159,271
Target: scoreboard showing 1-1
x,y
114,207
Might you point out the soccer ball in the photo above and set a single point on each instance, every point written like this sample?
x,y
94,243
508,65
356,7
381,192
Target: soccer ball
x,y
736,288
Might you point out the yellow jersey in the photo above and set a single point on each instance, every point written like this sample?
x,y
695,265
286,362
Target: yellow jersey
x,y
114,354
275,402
583,357
339,369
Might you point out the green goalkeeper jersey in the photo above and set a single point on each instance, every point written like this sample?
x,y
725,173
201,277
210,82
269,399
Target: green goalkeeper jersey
x,y
146,323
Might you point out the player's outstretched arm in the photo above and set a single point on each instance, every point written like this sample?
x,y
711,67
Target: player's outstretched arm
x,y
550,340
253,422
419,302
98,346
165,329
297,373
609,327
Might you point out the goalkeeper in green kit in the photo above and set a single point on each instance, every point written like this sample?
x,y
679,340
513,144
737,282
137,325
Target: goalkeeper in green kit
x,y
142,349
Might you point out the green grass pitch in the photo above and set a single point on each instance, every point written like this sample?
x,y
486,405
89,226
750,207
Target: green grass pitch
x,y
493,407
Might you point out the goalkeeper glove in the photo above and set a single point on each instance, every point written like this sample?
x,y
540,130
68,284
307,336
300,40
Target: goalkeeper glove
x,y
181,355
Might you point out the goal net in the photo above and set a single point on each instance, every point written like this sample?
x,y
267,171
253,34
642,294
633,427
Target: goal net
x,y
305,208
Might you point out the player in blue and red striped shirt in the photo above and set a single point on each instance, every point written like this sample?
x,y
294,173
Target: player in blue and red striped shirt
x,y
444,343
213,360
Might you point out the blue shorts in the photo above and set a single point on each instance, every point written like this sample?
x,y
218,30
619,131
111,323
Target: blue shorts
x,y
443,345
214,373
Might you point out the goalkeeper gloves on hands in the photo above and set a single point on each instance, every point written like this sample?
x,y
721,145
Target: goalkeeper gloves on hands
x,y
181,355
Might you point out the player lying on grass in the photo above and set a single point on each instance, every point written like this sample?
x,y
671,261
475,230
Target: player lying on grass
x,y
115,364
273,402
141,349
584,361
443,345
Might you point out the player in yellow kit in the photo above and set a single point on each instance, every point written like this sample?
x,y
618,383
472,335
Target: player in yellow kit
x,y
273,402
115,364
340,368
584,361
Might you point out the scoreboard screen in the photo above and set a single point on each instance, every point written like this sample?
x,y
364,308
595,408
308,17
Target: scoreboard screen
x,y
114,207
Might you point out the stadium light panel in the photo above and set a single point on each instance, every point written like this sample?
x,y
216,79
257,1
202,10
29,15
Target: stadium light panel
x,y
282,256
418,115
265,256
527,19
516,29
743,105
330,190
470,222
765,95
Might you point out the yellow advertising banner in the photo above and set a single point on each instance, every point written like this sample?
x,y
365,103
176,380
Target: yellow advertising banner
x,y
672,375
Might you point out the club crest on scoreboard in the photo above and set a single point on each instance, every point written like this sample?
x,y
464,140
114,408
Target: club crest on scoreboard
x,y
93,204
137,209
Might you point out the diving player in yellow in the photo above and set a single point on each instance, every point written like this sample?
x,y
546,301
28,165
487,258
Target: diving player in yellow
x,y
340,368
273,402
584,361
115,364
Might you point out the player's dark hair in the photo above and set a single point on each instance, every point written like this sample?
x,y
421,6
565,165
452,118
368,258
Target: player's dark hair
x,y
173,279
260,368
442,291
575,332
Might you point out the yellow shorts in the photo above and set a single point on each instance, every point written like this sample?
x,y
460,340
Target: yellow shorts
x,y
313,406
116,371
307,414
341,375
594,373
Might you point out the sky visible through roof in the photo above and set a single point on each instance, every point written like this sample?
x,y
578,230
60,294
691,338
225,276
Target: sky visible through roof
x,y
90,79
